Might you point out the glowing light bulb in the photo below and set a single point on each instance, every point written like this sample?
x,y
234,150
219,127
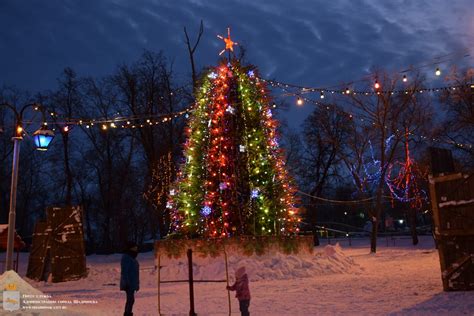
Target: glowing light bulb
x,y
405,79
348,91
299,101
438,72
322,95
377,84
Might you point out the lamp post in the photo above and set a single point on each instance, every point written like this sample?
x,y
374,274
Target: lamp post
x,y
42,138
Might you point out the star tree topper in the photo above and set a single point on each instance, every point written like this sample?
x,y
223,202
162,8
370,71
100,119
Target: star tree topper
x,y
229,44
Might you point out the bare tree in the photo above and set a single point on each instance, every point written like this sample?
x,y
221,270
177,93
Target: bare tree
x,y
381,122
324,134
146,90
459,103
63,104
191,50
109,158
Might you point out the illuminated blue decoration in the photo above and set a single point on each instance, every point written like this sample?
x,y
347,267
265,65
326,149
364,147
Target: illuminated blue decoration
x,y
212,75
406,195
269,113
274,142
372,169
222,186
388,141
230,109
251,73
206,210
403,187
43,138
255,193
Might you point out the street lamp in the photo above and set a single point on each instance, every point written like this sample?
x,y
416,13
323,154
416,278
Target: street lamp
x,y
43,138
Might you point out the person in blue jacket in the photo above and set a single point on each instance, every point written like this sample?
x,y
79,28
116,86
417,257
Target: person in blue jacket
x,y
130,276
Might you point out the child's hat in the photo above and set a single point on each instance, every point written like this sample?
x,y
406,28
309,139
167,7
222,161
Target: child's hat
x,y
240,272
131,246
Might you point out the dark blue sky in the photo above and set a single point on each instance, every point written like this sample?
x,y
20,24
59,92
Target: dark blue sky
x,y
317,43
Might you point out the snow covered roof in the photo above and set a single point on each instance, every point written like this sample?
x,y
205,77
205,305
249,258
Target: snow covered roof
x,y
3,227
19,244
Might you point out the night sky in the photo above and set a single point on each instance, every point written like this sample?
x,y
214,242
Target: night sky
x,y
313,43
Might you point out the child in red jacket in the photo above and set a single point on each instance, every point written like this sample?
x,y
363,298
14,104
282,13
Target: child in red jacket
x,y
241,286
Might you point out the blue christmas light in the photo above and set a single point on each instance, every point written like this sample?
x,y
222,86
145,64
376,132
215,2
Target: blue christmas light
x,y
206,210
255,193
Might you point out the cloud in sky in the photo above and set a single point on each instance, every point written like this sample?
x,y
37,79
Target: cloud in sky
x,y
318,43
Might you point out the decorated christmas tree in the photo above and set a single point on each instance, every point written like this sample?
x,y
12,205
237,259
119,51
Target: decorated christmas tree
x,y
234,180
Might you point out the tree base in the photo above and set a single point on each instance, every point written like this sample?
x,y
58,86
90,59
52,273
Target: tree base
x,y
243,245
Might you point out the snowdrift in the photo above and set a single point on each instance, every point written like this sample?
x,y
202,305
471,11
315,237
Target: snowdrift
x,y
329,260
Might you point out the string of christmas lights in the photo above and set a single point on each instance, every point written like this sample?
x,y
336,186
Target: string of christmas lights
x,y
135,121
146,120
337,201
331,107
437,61
286,87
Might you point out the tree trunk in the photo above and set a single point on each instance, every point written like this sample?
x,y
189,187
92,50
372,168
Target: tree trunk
x,y
373,236
67,169
375,219
414,234
89,234
315,236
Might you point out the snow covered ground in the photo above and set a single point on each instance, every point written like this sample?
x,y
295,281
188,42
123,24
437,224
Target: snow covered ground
x,y
399,280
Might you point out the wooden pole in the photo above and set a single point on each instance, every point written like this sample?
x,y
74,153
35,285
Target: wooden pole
x,y
159,276
227,279
191,285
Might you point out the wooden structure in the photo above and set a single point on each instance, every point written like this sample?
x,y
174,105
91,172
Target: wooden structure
x,y
58,246
442,161
191,282
452,201
17,245
218,248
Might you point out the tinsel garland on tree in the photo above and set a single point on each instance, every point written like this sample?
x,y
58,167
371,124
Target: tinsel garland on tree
x,y
234,180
